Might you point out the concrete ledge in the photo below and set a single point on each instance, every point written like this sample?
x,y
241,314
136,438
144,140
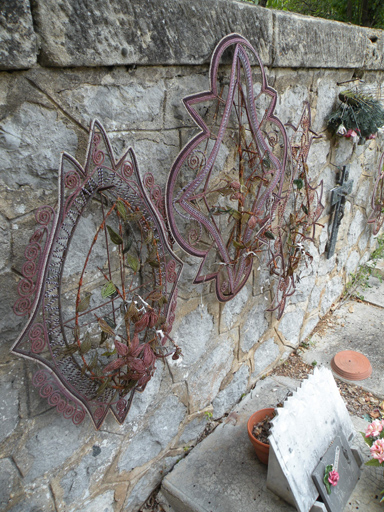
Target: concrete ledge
x,y
124,32
176,32
18,48
304,41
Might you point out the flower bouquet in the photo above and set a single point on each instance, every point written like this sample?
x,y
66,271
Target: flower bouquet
x,y
374,437
331,477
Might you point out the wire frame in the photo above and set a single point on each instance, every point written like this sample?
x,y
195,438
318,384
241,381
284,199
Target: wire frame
x,y
298,215
377,202
225,185
99,286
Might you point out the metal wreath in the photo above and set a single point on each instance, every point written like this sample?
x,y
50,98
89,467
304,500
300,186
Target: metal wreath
x,y
225,185
99,286
377,202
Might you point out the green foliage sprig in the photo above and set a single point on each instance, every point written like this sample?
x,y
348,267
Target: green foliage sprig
x,y
357,12
358,112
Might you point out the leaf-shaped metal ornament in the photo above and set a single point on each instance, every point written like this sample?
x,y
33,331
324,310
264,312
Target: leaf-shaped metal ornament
x,y
297,215
89,287
225,185
377,202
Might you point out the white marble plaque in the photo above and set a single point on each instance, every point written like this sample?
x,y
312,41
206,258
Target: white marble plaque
x,y
302,432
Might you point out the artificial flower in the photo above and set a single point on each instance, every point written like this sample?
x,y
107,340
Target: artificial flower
x,y
374,428
333,477
377,450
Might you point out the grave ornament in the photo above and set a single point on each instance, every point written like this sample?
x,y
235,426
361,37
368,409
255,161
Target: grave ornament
x,y
225,185
377,202
308,432
297,213
99,286
338,199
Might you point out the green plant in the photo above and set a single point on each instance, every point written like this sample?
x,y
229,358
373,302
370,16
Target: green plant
x,y
357,115
360,278
357,12
208,415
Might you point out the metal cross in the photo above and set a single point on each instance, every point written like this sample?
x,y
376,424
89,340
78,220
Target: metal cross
x,y
338,198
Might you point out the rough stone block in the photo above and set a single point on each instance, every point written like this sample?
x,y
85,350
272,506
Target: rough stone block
x,y
18,49
197,325
352,262
357,226
36,499
50,443
303,289
142,401
103,502
155,151
119,106
15,203
264,356
30,145
9,399
178,88
204,384
232,311
320,42
254,326
332,292
136,32
147,483
193,430
290,326
89,471
9,480
308,327
5,243
142,449
230,395
163,427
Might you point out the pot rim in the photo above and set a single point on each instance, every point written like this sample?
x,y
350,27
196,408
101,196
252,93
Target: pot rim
x,y
251,422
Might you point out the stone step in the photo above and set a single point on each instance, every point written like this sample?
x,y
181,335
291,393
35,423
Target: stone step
x,y
222,473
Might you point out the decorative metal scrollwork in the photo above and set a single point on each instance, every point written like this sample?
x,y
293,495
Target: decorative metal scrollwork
x,y
225,185
99,284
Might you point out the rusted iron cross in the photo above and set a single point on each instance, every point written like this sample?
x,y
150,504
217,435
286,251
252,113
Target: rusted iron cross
x,y
338,198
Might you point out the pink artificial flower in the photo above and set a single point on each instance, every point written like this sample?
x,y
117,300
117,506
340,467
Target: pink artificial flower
x,y
333,477
374,428
350,133
377,450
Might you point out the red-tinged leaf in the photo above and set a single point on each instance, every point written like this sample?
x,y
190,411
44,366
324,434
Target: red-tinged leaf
x,y
153,318
142,323
121,349
135,346
148,356
143,380
114,365
137,365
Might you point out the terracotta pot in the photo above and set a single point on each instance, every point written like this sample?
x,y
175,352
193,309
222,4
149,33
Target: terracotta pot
x,y
261,449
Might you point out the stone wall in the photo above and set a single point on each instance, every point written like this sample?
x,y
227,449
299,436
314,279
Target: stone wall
x,y
129,63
